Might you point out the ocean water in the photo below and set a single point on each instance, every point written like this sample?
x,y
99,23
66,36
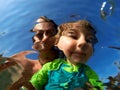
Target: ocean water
x,y
17,18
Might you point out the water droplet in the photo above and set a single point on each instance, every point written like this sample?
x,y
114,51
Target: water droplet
x,y
2,33
107,9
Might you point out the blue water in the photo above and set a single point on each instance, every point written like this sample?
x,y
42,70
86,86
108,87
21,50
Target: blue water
x,y
17,17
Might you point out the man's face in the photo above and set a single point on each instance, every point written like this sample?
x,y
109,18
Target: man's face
x,y
43,38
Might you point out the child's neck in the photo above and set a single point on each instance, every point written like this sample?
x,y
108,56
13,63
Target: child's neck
x,y
72,63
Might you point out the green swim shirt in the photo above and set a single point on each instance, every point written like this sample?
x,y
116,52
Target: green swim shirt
x,y
61,75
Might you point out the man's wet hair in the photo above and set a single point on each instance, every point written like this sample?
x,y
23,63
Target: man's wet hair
x,y
45,19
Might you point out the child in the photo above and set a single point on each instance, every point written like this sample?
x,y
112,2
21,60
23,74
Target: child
x,y
76,40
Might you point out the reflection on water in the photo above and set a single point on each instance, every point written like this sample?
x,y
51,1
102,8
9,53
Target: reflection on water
x,y
2,34
107,9
18,19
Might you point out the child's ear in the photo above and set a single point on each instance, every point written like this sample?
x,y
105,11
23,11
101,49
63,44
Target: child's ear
x,y
61,28
59,33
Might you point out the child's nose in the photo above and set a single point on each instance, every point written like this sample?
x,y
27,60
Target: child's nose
x,y
82,42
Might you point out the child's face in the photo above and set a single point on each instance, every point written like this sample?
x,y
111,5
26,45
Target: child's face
x,y
76,45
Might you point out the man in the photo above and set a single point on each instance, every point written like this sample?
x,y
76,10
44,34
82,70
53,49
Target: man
x,y
43,40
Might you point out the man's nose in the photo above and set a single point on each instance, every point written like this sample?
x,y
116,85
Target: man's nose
x,y
45,37
36,39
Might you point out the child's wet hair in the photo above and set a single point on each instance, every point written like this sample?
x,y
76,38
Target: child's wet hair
x,y
80,24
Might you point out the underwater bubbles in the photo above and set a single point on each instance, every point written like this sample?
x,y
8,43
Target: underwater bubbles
x,y
107,9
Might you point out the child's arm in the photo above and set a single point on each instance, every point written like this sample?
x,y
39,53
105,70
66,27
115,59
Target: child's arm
x,y
94,79
40,78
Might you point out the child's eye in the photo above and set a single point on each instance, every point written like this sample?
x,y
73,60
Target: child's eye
x,y
72,35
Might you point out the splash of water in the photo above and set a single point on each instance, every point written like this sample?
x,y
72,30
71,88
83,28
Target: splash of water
x,y
2,33
117,63
107,9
